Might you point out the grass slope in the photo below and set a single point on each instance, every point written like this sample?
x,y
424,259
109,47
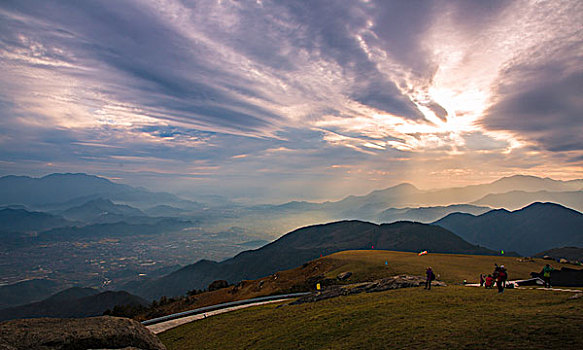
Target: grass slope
x,y
366,265
450,317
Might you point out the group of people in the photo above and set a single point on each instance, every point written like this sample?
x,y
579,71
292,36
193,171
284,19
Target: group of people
x,y
500,276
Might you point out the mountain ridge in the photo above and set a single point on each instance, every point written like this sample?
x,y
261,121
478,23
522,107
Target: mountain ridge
x,y
532,229
305,244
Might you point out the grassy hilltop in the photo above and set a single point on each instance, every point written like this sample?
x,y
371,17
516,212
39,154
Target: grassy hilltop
x,y
454,316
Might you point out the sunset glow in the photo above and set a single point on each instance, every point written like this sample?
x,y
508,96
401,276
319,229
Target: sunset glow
x,y
202,96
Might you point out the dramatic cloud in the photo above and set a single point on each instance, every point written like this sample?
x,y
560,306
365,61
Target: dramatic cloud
x,y
281,99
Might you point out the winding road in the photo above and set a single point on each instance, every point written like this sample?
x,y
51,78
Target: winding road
x,y
162,324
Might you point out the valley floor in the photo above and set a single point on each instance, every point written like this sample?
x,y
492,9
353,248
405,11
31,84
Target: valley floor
x,y
446,317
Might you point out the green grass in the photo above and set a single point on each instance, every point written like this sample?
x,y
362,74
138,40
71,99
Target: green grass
x,y
448,317
451,268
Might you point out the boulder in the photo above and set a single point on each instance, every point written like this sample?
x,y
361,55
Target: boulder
x,y
344,275
104,332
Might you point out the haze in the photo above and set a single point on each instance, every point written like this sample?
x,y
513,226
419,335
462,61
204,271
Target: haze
x,y
271,101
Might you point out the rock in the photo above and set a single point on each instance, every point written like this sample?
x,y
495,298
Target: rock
x,y
217,285
563,261
344,275
104,332
395,282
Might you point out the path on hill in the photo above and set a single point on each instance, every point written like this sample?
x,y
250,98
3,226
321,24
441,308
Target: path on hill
x,y
164,326
161,324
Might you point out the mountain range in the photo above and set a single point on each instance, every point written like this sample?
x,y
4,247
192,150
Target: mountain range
x,y
72,303
305,244
428,214
530,230
68,190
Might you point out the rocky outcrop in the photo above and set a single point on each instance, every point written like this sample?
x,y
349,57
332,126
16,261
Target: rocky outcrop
x,y
395,282
69,334
344,276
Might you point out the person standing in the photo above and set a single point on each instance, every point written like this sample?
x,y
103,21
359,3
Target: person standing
x,y
501,279
547,275
430,277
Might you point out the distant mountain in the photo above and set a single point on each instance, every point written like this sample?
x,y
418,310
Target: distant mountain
x,y
569,253
27,292
302,245
407,195
20,220
98,209
428,214
72,303
519,199
396,201
535,228
59,188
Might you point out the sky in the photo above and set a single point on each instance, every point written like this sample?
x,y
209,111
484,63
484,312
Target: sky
x,y
269,101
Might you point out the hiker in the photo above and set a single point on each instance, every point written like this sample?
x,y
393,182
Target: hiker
x,y
547,275
489,282
496,270
430,277
501,278
482,280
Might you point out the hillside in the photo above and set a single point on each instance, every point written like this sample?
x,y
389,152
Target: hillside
x,y
72,302
305,244
569,253
451,317
443,318
365,265
530,230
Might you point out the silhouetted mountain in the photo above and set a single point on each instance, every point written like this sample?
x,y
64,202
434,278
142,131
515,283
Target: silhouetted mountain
x,y
519,199
73,302
569,253
302,245
428,214
96,210
370,206
535,228
27,292
60,188
20,220
374,201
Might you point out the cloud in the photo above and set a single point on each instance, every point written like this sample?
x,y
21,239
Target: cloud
x,y
193,86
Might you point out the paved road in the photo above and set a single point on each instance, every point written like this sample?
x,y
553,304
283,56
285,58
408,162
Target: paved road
x,y
166,325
